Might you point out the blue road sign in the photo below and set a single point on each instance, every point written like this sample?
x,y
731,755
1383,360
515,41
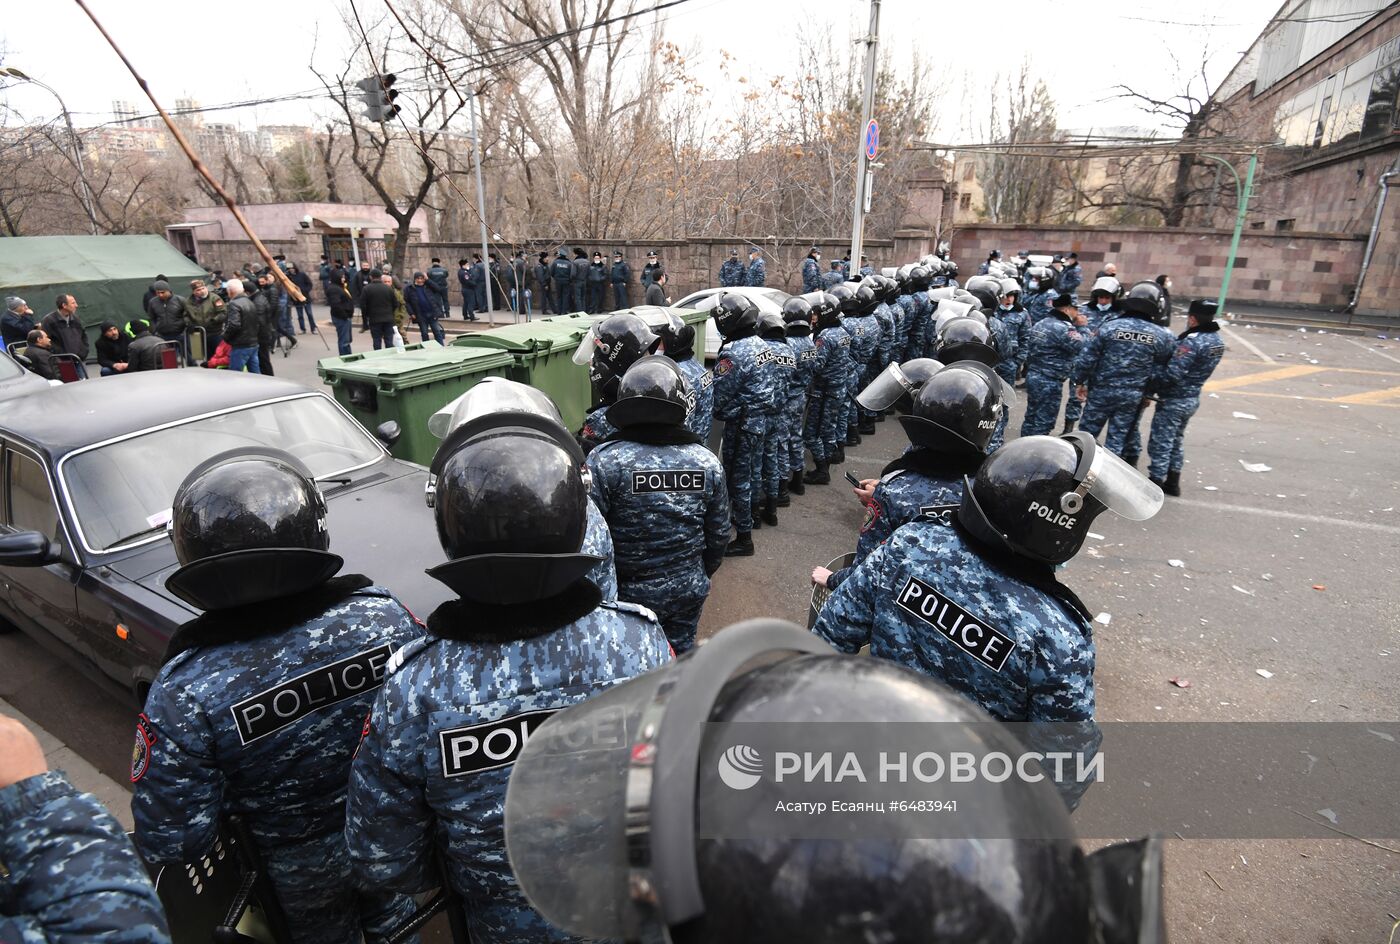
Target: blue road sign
x,y
872,139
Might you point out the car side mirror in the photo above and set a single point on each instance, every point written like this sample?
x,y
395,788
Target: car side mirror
x,y
388,432
26,549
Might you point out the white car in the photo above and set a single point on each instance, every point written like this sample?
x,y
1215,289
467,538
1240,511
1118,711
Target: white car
x,y
767,299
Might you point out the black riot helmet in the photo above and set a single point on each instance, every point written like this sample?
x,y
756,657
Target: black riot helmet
x,y
957,409
876,284
987,290
865,299
822,302
828,312
920,277
771,326
846,301
618,341
512,512
896,385
966,339
652,392
797,315
735,316
666,832
1038,495
1145,300
249,525
889,288
677,337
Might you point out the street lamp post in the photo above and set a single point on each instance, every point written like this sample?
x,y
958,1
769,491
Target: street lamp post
x,y
1242,195
72,136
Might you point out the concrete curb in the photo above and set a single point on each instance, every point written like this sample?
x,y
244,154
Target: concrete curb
x,y
115,796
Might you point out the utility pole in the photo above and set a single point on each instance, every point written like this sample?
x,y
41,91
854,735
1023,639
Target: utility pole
x,y
866,147
1242,209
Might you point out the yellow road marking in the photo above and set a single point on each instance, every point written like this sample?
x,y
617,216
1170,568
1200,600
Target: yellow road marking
x,y
1370,396
1263,376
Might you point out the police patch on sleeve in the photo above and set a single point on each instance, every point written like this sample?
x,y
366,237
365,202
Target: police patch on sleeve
x,y
724,366
969,633
141,750
478,748
943,514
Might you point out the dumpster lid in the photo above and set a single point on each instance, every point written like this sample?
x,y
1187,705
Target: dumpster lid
x,y
416,364
526,337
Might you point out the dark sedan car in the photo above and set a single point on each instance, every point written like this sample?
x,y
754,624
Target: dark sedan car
x,y
87,474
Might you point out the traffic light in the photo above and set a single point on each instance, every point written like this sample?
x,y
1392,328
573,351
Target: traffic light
x,y
378,94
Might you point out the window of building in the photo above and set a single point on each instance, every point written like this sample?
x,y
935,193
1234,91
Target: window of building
x,y
1357,103
1259,225
965,202
968,170
1284,226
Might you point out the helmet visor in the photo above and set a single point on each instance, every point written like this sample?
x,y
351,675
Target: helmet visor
x,y
492,395
1004,390
583,354
1116,485
947,311
885,390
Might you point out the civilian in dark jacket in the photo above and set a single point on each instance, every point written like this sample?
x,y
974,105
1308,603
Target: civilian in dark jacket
x,y
377,302
421,301
17,321
265,304
65,329
151,292
39,353
304,314
167,313
579,278
143,353
342,313
241,329
656,290
111,349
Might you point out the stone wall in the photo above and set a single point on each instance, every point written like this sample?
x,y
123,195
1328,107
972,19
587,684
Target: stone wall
x,y
1287,269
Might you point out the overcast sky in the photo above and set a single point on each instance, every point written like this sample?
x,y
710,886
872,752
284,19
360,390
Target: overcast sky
x,y
1082,48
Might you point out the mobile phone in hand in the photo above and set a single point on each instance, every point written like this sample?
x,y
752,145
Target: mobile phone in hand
x,y
855,482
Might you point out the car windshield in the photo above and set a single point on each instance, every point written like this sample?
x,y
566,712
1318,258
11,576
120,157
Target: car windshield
x,y
121,492
777,296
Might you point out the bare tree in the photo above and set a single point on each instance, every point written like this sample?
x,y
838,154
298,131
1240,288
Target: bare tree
x,y
1019,186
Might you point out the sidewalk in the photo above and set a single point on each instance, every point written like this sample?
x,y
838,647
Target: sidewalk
x,y
115,796
1338,322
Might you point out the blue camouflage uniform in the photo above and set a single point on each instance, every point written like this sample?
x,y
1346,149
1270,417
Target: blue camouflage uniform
x,y
831,278
265,727
1038,305
918,324
1097,319
758,273
865,270
927,601
900,497
1017,322
68,875
669,515
1054,344
699,416
782,365
596,426
811,275
1004,341
1117,363
743,400
804,352
1071,277
422,779
597,540
865,341
886,317
731,273
1178,385
826,398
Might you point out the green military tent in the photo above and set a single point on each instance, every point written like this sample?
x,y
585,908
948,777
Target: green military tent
x,y
108,275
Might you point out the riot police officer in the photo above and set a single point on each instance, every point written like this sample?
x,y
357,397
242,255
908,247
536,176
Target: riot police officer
x,y
527,635
781,365
797,316
259,705
977,605
1178,387
757,275
1116,364
640,849
812,271
678,343
1040,293
743,398
1055,342
609,348
1102,305
826,406
485,404
950,423
918,311
1017,322
858,317
663,495
731,271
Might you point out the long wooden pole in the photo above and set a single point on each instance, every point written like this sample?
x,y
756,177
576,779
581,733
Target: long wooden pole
x,y
287,284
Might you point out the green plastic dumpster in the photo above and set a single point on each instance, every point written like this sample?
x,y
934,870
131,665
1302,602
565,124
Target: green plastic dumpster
x,y
542,354
409,386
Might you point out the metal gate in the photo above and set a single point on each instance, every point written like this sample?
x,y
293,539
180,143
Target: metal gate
x,y
373,252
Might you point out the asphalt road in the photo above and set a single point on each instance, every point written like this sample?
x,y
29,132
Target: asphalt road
x,y
1323,413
